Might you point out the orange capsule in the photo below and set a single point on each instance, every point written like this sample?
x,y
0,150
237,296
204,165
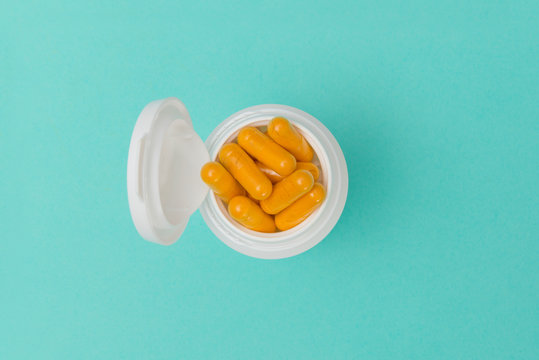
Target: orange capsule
x,y
220,181
267,151
301,208
272,175
288,190
310,167
252,198
244,169
284,134
250,215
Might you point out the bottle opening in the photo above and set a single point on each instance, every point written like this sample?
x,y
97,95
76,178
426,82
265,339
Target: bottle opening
x,y
319,159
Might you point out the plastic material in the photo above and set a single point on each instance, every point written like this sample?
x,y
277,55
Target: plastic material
x,y
163,182
333,175
164,185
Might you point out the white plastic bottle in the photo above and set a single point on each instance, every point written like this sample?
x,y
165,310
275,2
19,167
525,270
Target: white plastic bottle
x,y
164,186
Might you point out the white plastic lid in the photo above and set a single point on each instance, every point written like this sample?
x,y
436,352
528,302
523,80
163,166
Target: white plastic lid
x,y
163,171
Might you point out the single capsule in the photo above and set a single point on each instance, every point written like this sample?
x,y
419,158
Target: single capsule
x,y
310,167
301,208
272,175
220,181
288,190
250,215
245,171
284,134
267,151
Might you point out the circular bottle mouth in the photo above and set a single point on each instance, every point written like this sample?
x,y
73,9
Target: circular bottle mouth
x,y
321,162
333,176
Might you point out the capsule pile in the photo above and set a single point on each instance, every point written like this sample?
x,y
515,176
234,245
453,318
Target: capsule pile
x,y
267,179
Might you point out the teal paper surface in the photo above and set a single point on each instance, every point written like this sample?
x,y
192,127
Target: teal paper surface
x,y
435,105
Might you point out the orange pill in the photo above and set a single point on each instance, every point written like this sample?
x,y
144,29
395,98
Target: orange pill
x,y
252,198
284,134
267,151
250,215
301,208
288,190
310,167
220,181
245,171
272,175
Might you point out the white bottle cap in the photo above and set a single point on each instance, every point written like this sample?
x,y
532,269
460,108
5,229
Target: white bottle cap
x,y
163,171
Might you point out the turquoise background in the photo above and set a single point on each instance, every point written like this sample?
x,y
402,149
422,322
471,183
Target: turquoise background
x,y
436,107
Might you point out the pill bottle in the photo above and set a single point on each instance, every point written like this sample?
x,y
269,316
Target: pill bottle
x,y
164,186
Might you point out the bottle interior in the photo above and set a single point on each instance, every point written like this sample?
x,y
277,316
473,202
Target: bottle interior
x,y
318,160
